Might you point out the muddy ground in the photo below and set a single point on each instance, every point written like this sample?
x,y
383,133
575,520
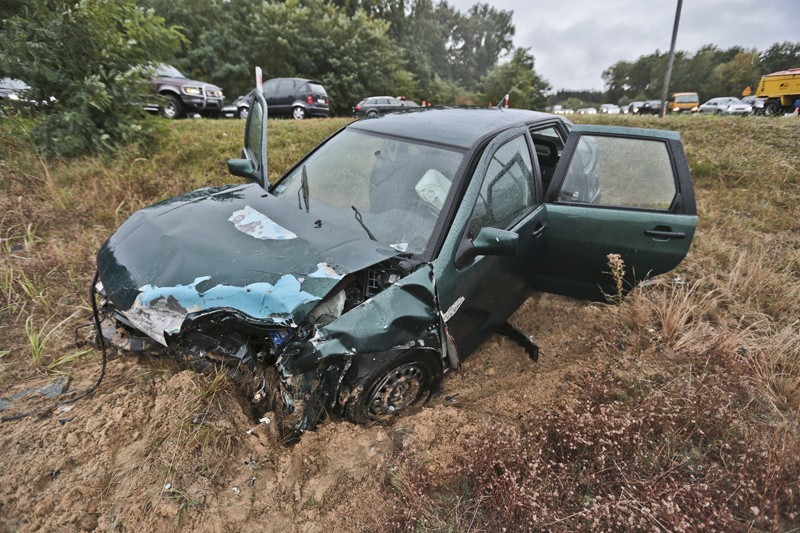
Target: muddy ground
x,y
159,448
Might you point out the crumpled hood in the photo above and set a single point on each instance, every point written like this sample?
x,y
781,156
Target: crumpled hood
x,y
227,247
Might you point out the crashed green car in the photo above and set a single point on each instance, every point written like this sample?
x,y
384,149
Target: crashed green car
x,y
392,251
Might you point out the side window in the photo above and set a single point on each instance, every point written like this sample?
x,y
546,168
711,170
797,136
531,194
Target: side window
x,y
508,188
548,145
621,172
285,87
270,87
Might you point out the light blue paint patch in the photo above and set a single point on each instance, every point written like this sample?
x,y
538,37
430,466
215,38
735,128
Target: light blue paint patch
x,y
258,225
324,270
259,300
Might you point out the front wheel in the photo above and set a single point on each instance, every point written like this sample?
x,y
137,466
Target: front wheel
x,y
394,388
172,108
298,113
773,107
243,112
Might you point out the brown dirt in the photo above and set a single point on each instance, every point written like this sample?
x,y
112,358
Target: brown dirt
x,y
161,448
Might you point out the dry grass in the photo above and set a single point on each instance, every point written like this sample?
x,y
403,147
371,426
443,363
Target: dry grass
x,y
692,424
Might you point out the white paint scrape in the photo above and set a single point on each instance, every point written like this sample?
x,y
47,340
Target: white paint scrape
x,y
258,225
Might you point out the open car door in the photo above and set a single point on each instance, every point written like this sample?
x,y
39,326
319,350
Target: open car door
x,y
617,190
253,164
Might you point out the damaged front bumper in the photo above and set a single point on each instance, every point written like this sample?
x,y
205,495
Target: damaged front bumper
x,y
316,363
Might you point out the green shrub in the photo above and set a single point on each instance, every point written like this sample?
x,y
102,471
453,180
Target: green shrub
x,y
84,62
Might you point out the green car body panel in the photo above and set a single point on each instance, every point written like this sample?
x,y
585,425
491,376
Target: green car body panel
x,y
269,283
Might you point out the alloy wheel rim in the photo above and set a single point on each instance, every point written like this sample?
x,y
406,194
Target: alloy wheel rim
x,y
397,390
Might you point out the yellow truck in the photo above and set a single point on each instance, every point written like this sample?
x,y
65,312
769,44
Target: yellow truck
x,y
683,102
781,90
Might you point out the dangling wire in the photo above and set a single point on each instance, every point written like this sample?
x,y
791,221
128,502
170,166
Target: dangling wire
x,y
96,316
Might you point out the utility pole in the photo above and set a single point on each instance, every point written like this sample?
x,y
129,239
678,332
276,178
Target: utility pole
x,y
667,76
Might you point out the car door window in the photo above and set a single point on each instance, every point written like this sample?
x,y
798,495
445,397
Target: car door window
x,y
285,87
548,145
270,87
508,188
617,171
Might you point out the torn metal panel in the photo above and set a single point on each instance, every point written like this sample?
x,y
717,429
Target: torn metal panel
x,y
403,317
160,311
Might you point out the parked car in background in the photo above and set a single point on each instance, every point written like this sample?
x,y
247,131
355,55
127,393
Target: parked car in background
x,y
295,97
650,107
609,109
587,111
298,98
12,90
240,107
681,102
635,107
380,105
179,96
728,105
756,103
392,251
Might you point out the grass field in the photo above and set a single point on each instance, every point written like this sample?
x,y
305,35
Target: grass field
x,y
678,410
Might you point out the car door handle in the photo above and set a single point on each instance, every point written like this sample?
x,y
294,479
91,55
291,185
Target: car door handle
x,y
539,230
665,233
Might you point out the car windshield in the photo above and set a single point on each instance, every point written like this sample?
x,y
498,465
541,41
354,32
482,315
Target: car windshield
x,y
168,71
387,189
685,98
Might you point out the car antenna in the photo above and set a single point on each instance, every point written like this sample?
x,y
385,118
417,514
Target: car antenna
x,y
505,98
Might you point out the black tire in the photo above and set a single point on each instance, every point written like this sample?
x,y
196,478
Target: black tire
x,y
243,112
394,388
172,107
372,113
298,113
773,107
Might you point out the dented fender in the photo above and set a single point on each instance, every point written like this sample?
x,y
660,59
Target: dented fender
x,y
404,317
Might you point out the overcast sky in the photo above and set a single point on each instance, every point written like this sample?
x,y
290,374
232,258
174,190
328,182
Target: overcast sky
x,y
573,41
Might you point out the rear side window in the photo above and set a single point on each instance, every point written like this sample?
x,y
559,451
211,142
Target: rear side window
x,y
285,87
621,172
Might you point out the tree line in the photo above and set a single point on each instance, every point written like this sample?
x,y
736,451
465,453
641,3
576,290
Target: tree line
x,y
421,49
89,55
710,71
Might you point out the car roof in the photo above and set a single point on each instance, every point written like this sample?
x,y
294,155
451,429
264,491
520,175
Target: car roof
x,y
296,79
459,127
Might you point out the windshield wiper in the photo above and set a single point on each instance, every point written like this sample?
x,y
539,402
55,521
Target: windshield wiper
x,y
360,220
303,190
